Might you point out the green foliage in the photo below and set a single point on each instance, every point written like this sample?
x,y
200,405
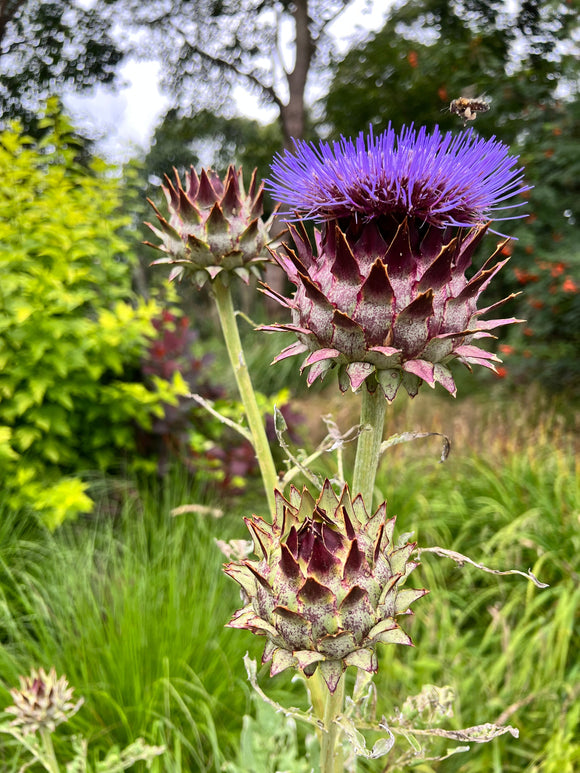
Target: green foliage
x,y
131,604
546,257
71,332
181,141
269,743
39,747
431,51
507,647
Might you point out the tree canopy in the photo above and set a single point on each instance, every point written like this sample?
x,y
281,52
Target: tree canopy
x,y
208,47
432,51
182,141
46,47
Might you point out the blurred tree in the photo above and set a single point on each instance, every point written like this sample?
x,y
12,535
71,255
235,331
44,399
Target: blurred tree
x,y
432,51
546,257
181,141
524,58
46,47
208,47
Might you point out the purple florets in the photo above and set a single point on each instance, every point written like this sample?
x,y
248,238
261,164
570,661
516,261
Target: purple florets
x,y
449,179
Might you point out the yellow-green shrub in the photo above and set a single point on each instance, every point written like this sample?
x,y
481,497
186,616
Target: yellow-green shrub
x,y
72,332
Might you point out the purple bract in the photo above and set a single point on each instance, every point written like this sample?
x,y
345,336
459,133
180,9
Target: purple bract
x,y
385,295
327,585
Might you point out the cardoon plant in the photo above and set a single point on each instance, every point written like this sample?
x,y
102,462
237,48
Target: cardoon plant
x,y
384,298
42,703
327,586
215,234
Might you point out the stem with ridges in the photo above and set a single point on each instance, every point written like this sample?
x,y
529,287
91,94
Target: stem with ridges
x,y
372,415
223,300
331,756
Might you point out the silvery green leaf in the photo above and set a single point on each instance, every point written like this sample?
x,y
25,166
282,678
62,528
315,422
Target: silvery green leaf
x,y
480,733
279,422
381,747
405,437
252,672
404,538
116,761
251,668
460,559
79,763
475,734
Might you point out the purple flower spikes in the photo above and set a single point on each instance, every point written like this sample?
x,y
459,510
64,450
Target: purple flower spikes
x,y
452,179
384,297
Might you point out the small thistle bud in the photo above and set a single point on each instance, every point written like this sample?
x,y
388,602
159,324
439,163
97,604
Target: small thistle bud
x,y
327,586
43,702
214,227
384,295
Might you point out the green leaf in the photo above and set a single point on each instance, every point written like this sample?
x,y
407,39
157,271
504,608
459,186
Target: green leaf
x,y
6,450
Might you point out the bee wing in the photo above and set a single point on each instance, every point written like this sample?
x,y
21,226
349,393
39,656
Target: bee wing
x,y
469,92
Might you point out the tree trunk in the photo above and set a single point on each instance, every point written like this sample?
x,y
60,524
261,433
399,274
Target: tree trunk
x,y
292,115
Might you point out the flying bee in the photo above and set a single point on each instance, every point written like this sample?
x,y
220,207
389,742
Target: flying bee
x,y
468,108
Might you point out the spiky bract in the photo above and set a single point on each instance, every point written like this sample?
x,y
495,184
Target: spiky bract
x,y
42,702
326,587
387,301
214,227
384,295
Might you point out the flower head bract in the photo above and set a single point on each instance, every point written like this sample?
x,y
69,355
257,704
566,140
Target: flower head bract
x,y
384,295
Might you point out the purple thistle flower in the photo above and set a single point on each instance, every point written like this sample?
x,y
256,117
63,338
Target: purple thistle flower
x,y
451,179
384,295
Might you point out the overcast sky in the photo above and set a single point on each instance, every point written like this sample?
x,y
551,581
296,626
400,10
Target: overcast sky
x,y
124,119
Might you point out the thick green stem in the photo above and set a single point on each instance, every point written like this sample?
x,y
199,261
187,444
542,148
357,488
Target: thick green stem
x,y
223,299
369,444
50,762
331,756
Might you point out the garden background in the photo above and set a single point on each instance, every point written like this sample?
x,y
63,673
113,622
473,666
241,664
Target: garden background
x,y
115,486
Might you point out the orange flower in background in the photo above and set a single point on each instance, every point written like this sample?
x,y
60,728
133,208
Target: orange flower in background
x,y
569,285
524,277
556,131
528,332
442,94
558,269
532,217
413,59
527,354
535,303
529,249
549,153
501,372
507,249
506,349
